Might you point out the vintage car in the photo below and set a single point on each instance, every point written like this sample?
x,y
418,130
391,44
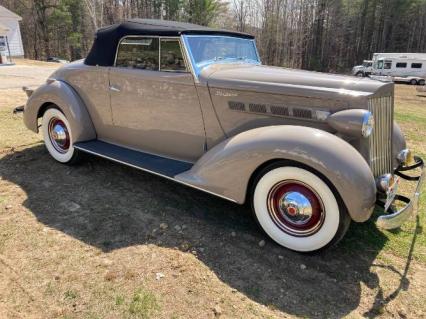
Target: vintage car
x,y
309,151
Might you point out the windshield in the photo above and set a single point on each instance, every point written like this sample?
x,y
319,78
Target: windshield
x,y
205,50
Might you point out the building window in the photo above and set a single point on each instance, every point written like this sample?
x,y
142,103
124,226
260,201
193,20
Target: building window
x,y
3,45
401,65
416,65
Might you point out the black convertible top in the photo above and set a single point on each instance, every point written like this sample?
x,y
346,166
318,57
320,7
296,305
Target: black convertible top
x,y
106,39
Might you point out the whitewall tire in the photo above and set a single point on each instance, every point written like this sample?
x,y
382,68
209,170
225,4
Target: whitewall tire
x,y
58,137
297,209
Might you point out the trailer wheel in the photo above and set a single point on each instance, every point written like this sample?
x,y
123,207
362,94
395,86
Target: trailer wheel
x,y
421,82
413,82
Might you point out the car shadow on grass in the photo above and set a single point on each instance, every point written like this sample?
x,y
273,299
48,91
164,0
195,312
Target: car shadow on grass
x,y
111,206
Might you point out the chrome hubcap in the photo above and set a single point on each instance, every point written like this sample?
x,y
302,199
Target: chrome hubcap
x,y
296,208
59,135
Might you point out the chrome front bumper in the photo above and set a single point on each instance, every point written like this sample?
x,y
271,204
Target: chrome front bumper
x,y
394,219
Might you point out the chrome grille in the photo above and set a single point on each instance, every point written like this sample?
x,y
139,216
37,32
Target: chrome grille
x,y
380,141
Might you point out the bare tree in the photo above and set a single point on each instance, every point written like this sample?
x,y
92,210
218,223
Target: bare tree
x,y
96,12
324,35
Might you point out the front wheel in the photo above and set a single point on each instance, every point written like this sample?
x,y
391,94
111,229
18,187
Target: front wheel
x,y
57,137
413,82
297,209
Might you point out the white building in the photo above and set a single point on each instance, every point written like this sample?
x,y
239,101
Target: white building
x,y
10,33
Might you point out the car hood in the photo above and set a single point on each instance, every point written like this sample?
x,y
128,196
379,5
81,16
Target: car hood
x,y
290,81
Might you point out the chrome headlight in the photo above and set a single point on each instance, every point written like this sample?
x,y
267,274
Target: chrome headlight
x,y
353,122
367,124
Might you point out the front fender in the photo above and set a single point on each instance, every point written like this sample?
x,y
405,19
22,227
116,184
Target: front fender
x,y
226,168
68,101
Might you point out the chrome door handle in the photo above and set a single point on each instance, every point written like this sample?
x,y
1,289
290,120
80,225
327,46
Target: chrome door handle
x,y
113,88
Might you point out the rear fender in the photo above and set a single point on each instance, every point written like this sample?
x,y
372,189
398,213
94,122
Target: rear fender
x,y
226,169
68,101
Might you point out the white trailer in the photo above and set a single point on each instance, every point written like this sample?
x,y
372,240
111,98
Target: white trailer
x,y
421,56
402,67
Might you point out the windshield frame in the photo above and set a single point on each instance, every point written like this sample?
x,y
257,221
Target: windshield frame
x,y
197,68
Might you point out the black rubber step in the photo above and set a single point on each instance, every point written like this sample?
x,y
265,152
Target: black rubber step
x,y
144,161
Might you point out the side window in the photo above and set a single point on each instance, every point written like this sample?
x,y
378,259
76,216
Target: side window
x,y
171,58
416,65
388,65
138,53
401,65
380,64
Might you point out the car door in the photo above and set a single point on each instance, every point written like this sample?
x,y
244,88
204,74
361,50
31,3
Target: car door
x,y
154,102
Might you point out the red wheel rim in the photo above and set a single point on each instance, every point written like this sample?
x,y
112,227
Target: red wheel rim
x,y
59,135
296,208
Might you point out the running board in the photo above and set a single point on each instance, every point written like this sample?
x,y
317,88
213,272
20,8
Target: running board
x,y
147,162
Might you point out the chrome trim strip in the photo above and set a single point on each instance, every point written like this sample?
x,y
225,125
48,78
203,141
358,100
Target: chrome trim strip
x,y
155,173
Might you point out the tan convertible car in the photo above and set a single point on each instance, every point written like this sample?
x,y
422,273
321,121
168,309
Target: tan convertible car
x,y
309,151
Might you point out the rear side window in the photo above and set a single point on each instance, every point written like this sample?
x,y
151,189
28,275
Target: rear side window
x,y
416,65
171,58
401,65
138,53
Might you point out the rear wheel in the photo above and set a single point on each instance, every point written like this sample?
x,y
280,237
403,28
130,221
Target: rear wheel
x,y
297,209
413,82
421,82
360,74
57,137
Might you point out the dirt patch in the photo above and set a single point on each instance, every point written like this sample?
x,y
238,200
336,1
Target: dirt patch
x,y
101,240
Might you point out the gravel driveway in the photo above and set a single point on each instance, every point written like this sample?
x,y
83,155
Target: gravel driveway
x,y
17,76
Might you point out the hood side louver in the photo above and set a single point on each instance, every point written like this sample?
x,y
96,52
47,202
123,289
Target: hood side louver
x,y
302,113
237,106
279,110
276,110
257,108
